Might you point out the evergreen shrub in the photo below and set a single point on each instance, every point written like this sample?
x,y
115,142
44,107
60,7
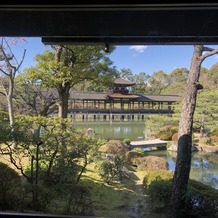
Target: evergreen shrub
x,y
10,188
200,199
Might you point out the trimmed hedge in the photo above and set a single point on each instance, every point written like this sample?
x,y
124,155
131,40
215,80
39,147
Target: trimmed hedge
x,y
200,199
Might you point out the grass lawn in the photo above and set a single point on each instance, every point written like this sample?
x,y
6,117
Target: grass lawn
x,y
116,200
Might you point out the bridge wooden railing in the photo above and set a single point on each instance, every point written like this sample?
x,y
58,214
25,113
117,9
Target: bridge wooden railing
x,y
124,111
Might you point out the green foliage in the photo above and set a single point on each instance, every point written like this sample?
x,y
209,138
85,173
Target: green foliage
x,y
132,155
126,141
105,169
5,132
3,115
93,151
200,200
176,81
111,167
151,163
112,200
90,60
213,74
18,132
205,117
155,175
214,132
155,122
178,86
139,150
141,83
10,188
77,201
206,106
212,137
57,155
158,81
178,75
166,133
159,193
116,147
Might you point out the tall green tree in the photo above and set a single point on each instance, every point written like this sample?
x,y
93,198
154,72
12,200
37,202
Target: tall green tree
x,y
157,82
63,67
126,74
178,75
213,73
141,80
184,152
205,80
206,113
176,81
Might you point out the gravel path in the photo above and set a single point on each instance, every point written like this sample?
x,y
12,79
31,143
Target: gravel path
x,y
139,205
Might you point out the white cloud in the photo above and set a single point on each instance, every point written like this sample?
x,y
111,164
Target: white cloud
x,y
138,48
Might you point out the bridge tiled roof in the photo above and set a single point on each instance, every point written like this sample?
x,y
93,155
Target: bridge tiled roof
x,y
120,95
123,82
162,98
76,95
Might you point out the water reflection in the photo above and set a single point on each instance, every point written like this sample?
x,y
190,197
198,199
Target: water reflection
x,y
204,167
114,130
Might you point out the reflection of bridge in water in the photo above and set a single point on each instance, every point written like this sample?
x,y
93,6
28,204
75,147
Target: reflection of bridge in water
x,y
156,143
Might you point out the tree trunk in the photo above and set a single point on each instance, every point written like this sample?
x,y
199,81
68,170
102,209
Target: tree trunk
x,y
9,68
63,102
10,106
181,176
63,88
183,163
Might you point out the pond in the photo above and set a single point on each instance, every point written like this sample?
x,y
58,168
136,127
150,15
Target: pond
x,y
114,129
204,167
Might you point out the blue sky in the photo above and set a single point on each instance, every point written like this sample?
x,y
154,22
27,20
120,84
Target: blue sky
x,y
148,59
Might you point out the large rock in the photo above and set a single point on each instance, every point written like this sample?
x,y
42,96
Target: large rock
x,y
90,132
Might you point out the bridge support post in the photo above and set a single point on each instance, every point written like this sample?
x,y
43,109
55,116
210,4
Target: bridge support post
x,y
139,116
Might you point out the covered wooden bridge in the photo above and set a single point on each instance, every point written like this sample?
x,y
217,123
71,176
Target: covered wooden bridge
x,y
119,103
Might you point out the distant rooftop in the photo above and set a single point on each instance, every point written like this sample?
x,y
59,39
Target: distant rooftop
x,y
120,95
76,95
123,82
